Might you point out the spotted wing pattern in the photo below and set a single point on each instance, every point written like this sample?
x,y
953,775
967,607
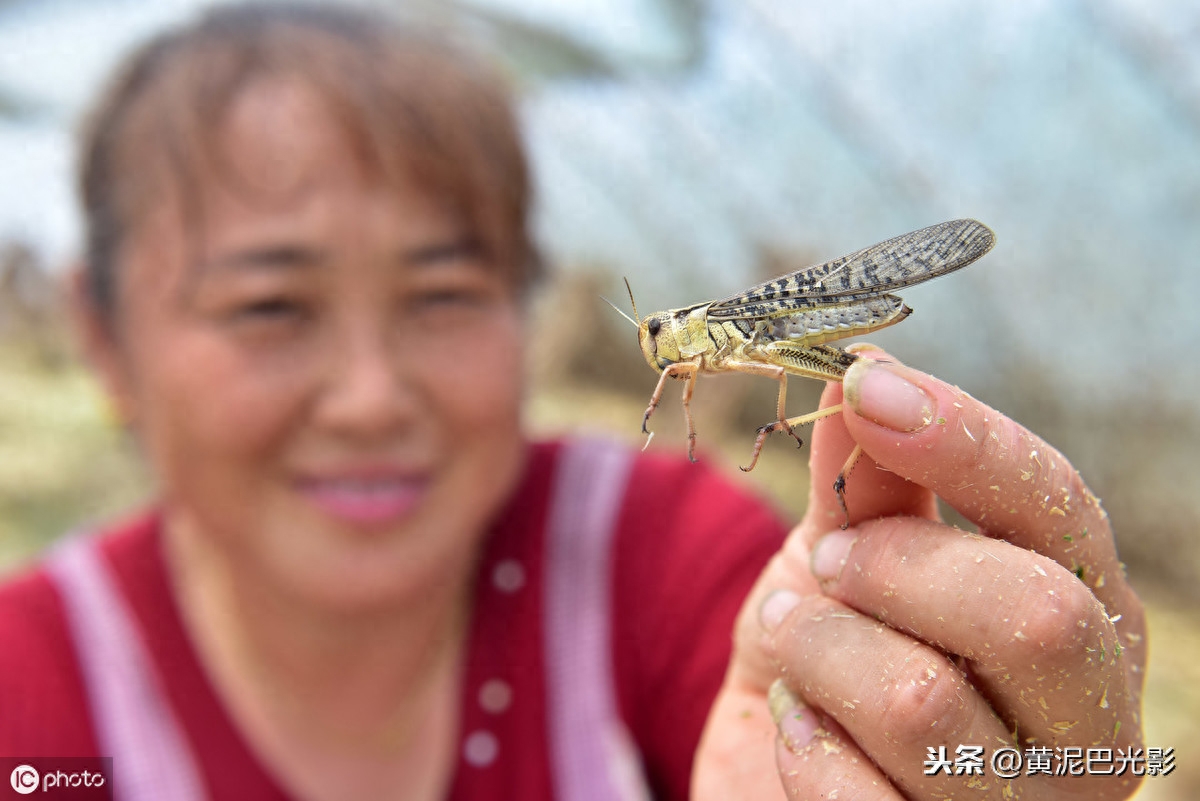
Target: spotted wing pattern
x,y
872,272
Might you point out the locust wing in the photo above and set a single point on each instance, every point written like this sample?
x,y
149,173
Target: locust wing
x,y
870,273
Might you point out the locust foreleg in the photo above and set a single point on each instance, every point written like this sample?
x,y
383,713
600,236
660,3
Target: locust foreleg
x,y
686,371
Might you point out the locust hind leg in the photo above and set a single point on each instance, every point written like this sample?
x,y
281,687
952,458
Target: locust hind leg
x,y
822,362
782,422
793,422
839,483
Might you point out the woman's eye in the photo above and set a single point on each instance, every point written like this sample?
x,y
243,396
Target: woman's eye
x,y
270,311
448,298
269,307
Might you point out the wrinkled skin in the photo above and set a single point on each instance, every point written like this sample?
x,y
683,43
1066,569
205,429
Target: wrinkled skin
x,y
902,633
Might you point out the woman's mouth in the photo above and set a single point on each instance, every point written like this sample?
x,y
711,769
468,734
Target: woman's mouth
x,y
368,499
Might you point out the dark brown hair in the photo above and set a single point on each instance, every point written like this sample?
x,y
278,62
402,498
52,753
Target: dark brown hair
x,y
411,105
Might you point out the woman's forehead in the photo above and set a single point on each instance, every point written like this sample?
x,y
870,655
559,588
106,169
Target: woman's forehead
x,y
271,111
279,136
279,148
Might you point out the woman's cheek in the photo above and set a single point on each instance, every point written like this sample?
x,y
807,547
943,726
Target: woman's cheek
x,y
481,377
222,409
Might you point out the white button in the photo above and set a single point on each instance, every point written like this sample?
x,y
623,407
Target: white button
x,y
508,576
495,696
481,749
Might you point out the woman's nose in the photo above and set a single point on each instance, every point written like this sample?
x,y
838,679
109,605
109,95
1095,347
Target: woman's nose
x,y
368,391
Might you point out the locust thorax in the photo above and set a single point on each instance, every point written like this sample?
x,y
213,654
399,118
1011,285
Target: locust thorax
x,y
656,337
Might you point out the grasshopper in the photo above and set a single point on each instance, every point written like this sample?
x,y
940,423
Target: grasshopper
x,y
780,327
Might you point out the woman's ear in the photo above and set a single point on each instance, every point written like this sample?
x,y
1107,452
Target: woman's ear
x,y
100,341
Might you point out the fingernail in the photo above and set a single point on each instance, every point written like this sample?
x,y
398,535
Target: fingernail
x,y
796,723
881,394
775,607
862,347
830,554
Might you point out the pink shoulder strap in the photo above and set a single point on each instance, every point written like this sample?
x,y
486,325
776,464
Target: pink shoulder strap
x,y
593,757
134,722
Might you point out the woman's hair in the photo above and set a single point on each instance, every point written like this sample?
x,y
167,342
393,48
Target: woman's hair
x,y
411,106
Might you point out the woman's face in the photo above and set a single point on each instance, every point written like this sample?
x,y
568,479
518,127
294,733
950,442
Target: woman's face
x,y
325,372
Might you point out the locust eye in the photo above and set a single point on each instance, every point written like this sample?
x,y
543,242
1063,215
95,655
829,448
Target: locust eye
x,y
654,326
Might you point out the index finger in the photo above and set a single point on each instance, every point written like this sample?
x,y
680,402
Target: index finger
x,y
996,473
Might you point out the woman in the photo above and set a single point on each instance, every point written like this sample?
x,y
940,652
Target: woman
x,y
307,262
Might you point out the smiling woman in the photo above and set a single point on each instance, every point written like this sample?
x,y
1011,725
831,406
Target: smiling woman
x,y
307,261
304,292
333,280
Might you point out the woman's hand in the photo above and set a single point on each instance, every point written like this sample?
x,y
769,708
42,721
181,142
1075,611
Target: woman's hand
x,y
901,639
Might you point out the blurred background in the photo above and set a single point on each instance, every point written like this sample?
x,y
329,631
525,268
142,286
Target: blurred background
x,y
698,147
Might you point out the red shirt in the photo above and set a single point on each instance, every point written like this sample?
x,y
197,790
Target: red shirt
x,y
687,548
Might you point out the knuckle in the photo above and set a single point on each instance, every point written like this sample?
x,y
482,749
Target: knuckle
x,y
922,696
997,438
1035,469
1025,480
1056,621
885,542
885,553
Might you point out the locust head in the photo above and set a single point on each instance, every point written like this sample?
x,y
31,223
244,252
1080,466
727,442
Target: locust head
x,y
656,336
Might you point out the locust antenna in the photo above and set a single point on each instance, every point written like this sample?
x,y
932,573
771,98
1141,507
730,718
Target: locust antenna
x,y
618,310
632,302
